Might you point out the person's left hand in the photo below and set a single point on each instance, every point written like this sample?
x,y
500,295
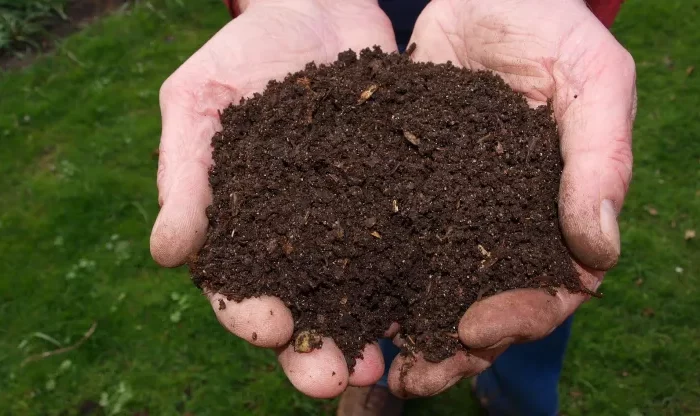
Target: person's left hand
x,y
546,49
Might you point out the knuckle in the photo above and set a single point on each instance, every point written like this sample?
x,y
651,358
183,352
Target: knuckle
x,y
167,89
623,62
532,329
537,324
627,62
621,159
170,89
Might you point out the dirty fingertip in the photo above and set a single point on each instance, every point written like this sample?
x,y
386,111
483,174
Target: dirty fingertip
x,y
320,373
263,321
392,331
368,369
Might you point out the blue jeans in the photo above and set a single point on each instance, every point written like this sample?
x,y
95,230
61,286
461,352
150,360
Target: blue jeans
x,y
522,381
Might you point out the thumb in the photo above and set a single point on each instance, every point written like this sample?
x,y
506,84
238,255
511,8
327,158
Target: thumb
x,y
596,133
183,169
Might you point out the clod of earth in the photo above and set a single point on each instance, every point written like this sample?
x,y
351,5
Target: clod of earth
x,y
376,190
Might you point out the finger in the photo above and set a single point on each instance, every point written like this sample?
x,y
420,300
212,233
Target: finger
x,y
392,331
321,373
358,37
595,105
521,315
368,369
429,35
264,321
413,376
184,159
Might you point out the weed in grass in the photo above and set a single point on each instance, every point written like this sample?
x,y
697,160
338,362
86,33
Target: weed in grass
x,y
23,22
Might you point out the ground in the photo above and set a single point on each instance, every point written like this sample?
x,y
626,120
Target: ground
x,y
78,130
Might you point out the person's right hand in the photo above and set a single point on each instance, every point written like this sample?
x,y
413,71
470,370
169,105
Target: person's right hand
x,y
270,39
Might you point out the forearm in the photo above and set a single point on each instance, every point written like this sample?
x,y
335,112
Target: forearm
x,y
237,7
604,10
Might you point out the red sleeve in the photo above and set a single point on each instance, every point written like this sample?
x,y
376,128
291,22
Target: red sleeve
x,y
605,10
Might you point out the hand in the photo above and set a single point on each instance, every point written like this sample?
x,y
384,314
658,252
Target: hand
x,y
567,56
270,39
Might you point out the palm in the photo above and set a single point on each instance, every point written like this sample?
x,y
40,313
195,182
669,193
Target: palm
x,y
268,41
536,56
262,44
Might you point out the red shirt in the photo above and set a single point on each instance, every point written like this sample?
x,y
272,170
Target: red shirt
x,y
605,10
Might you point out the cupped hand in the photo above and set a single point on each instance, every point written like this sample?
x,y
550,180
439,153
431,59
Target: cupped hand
x,y
270,39
548,50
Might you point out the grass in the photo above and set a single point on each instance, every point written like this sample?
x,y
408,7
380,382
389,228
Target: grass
x,y
77,200
23,22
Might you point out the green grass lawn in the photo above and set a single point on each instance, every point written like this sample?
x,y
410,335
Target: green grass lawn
x,y
77,201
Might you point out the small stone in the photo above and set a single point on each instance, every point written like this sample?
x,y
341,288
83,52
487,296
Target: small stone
x,y
370,222
287,247
375,66
304,81
271,246
339,232
307,341
366,94
376,234
411,138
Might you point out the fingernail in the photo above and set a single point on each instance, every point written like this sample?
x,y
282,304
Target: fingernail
x,y
608,225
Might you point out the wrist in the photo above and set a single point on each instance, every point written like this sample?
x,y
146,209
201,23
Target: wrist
x,y
236,7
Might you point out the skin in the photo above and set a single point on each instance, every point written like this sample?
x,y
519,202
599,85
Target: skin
x,y
270,39
569,58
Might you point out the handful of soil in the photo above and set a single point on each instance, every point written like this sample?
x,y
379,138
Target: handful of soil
x,y
378,190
